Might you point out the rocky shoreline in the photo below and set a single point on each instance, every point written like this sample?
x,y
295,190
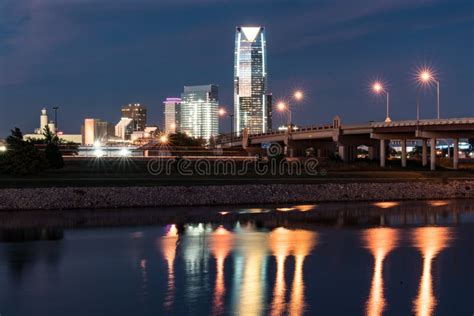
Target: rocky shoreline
x,y
258,194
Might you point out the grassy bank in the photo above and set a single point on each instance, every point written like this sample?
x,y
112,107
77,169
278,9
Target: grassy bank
x,y
128,172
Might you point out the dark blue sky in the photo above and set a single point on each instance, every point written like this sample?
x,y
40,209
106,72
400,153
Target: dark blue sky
x,y
91,56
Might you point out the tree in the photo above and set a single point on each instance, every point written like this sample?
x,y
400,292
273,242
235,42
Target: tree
x,y
52,152
21,158
183,140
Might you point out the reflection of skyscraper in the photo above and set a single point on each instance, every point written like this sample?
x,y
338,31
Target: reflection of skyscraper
x,y
199,111
168,246
250,272
172,115
252,104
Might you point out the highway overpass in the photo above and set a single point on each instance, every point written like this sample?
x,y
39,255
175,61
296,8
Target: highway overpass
x,y
344,139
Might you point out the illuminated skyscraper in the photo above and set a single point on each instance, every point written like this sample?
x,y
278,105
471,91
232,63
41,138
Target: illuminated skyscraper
x,y
199,111
172,115
252,104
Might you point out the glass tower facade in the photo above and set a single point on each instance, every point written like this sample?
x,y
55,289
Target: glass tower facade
x,y
172,115
252,104
199,111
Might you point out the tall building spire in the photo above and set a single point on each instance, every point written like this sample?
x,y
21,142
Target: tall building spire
x,y
252,103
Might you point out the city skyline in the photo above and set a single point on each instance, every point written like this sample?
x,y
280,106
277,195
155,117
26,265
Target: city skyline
x,y
332,59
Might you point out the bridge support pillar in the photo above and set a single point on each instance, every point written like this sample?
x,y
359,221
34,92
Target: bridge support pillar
x,y
433,154
456,153
373,152
424,153
404,153
343,152
382,153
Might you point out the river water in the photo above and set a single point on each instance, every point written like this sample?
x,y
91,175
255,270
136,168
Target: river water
x,y
387,258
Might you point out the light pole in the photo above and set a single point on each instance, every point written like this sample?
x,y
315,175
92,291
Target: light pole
x,y
55,108
426,76
378,88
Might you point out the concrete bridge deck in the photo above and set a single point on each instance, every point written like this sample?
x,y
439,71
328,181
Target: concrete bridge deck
x,y
344,139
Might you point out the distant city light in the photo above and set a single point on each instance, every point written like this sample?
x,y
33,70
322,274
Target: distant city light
x,y
298,95
3,148
124,152
222,112
99,153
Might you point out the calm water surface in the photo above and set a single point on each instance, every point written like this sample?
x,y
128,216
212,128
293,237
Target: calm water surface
x,y
385,258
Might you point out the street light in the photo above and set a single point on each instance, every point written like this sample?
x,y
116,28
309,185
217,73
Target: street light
x,y
222,112
281,106
425,77
298,95
163,139
377,88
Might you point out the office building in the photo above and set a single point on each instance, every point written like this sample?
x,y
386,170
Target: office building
x,y
252,103
199,111
124,128
172,115
138,113
96,130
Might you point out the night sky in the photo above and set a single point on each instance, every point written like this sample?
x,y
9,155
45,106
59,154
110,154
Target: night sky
x,y
89,57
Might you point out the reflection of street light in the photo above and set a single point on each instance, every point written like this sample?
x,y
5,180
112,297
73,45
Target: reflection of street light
x,y
378,88
426,76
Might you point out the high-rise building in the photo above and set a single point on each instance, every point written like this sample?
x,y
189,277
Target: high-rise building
x,y
124,128
138,113
96,130
199,111
172,115
252,104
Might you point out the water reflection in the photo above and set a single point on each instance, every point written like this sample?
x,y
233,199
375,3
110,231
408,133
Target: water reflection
x,y
195,253
250,278
430,241
221,243
282,243
380,242
303,243
280,246
168,246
